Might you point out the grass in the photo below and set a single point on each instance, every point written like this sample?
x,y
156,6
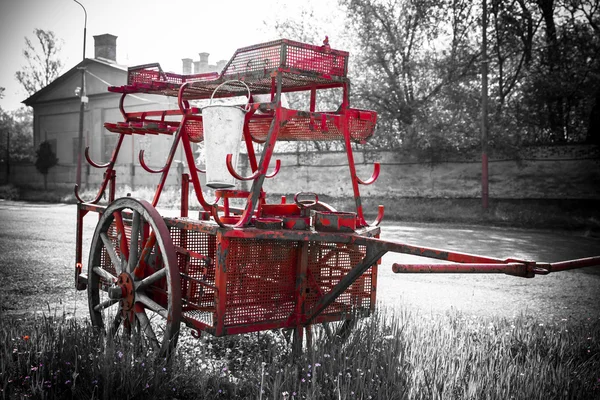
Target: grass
x,y
392,355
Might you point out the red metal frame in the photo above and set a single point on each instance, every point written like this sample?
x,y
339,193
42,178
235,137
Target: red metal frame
x,y
237,276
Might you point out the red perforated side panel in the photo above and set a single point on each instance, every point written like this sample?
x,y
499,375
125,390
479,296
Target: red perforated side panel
x,y
328,264
197,275
260,280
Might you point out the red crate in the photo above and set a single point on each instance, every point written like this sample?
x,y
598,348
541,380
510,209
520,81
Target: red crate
x,y
259,278
288,55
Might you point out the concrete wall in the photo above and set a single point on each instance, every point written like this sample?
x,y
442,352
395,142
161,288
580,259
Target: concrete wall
x,y
562,172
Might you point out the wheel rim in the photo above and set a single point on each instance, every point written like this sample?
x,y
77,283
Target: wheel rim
x,y
134,284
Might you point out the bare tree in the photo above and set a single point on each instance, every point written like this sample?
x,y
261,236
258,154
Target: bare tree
x,y
43,64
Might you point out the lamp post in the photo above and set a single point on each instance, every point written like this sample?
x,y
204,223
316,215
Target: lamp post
x,y
83,101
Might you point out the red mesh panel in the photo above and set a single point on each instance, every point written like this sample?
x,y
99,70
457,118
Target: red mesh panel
x,y
193,128
361,125
287,54
152,73
328,264
260,280
314,59
197,275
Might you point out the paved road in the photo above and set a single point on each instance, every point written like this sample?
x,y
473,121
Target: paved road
x,y
37,255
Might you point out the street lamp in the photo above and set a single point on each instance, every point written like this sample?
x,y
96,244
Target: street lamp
x,y
82,104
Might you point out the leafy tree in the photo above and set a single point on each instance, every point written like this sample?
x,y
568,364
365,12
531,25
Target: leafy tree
x,y
16,137
46,159
413,52
43,64
19,124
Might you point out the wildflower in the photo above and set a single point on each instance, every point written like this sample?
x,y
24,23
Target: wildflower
x,y
33,369
147,385
303,380
317,365
308,374
67,382
26,337
120,354
164,370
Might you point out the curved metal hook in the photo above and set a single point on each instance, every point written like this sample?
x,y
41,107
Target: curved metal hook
x,y
92,163
379,216
373,177
183,104
254,175
146,167
98,196
202,171
215,213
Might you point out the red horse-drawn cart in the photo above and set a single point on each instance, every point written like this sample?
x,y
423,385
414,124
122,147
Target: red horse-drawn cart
x,y
288,264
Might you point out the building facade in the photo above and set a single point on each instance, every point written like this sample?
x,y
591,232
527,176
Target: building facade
x,y
56,113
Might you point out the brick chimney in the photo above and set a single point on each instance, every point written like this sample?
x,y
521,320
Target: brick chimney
x,y
186,68
221,64
105,47
203,61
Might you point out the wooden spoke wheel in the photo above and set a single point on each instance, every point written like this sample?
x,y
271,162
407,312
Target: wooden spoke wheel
x,y
134,287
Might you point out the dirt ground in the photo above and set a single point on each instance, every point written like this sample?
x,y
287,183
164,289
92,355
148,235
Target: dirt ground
x,y
37,252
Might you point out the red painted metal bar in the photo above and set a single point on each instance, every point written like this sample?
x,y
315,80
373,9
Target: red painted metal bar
x,y
189,156
300,294
354,179
165,169
517,269
79,248
185,195
221,283
263,166
572,264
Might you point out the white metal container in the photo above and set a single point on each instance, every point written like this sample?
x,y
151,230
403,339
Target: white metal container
x,y
223,130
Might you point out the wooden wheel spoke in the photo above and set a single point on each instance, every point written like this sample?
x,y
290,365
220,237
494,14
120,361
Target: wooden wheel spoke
x,y
134,242
152,305
116,323
146,327
149,280
145,256
121,235
105,304
105,274
114,258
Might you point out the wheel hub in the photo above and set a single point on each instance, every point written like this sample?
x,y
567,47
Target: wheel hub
x,y
124,291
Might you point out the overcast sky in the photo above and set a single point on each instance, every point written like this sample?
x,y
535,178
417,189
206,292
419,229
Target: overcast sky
x,y
148,30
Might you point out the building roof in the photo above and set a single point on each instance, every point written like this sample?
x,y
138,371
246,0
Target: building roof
x,y
33,99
